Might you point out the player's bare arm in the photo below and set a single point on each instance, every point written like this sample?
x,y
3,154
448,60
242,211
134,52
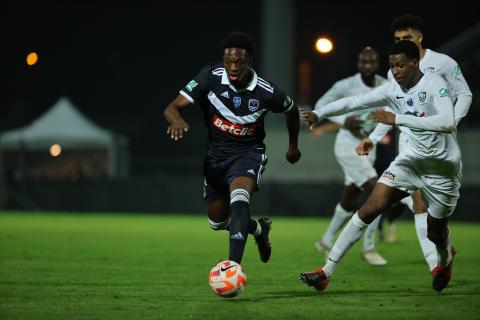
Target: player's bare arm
x,y
324,129
172,114
309,117
293,154
383,117
364,147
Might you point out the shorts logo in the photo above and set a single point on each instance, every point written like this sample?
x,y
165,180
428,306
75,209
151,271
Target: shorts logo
x,y
388,175
237,102
253,104
422,96
234,129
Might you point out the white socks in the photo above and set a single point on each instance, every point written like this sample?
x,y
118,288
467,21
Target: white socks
x,y
369,238
347,238
339,217
428,247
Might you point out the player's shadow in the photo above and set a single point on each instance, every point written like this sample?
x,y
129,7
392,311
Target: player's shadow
x,y
394,292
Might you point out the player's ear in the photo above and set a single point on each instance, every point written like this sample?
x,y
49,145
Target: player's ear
x,y
420,38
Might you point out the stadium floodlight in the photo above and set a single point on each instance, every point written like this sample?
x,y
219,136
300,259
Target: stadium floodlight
x,y
323,45
32,58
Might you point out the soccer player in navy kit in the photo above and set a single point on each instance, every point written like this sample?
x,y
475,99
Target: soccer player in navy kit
x,y
234,101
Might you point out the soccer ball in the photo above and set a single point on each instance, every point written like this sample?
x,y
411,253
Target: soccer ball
x,y
227,279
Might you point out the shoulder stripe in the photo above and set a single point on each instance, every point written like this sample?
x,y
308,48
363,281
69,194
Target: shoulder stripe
x,y
264,82
269,89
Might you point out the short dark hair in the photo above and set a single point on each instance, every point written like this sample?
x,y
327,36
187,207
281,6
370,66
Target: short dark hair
x,y
239,40
407,21
409,48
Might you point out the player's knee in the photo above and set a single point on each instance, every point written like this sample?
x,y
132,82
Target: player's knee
x,y
223,225
238,195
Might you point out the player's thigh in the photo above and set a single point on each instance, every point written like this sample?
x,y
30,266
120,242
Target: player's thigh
x,y
419,204
246,171
441,195
381,198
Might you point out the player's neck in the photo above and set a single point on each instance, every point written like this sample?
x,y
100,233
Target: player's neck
x,y
243,83
369,81
416,79
422,53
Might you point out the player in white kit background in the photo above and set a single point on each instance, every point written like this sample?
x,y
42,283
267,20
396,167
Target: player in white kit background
x,y
410,27
430,160
360,175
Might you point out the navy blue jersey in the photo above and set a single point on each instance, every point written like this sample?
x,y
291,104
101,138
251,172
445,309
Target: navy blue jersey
x,y
234,118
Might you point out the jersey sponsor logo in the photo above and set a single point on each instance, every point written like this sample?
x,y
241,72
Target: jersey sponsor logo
x,y
422,96
237,102
388,175
443,92
253,104
192,84
410,102
417,114
233,129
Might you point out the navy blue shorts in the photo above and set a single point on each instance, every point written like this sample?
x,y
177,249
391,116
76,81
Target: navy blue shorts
x,y
220,173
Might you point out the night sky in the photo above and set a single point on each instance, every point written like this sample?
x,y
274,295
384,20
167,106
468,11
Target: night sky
x,y
121,63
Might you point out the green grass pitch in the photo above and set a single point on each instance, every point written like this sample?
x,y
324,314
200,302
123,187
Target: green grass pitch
x,y
106,266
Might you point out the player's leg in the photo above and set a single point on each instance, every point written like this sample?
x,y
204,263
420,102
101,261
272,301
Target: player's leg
x,y
382,197
441,195
343,212
369,252
240,190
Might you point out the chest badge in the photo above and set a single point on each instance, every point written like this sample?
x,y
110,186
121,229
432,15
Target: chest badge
x,y
422,96
237,102
253,104
410,102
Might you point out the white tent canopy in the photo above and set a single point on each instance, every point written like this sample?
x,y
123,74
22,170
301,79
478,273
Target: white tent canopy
x,y
62,124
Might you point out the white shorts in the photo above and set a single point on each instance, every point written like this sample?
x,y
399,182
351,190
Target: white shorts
x,y
357,169
441,193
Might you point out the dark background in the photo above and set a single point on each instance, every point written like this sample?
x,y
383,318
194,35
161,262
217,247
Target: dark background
x,y
121,63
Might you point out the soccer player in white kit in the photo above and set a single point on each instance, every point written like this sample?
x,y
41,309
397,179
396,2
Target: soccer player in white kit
x,y
430,160
409,27
360,175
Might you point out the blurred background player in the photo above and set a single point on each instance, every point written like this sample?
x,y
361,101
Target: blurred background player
x,y
360,175
234,101
430,162
410,27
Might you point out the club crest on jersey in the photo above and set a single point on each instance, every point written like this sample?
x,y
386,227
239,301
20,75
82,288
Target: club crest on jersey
x,y
410,102
253,104
422,96
237,102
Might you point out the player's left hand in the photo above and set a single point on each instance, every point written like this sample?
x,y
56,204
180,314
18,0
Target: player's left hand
x,y
293,154
383,117
308,116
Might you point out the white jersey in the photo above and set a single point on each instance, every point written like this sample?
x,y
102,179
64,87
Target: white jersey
x,y
346,88
426,113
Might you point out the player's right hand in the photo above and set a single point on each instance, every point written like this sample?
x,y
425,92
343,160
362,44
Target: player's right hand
x,y
364,147
308,116
177,129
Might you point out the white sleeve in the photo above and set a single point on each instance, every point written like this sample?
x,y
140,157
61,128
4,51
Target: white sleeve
x,y
372,99
442,121
380,131
334,93
461,94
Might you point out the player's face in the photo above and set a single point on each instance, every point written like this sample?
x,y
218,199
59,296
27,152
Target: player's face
x,y
236,62
403,69
368,63
409,34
